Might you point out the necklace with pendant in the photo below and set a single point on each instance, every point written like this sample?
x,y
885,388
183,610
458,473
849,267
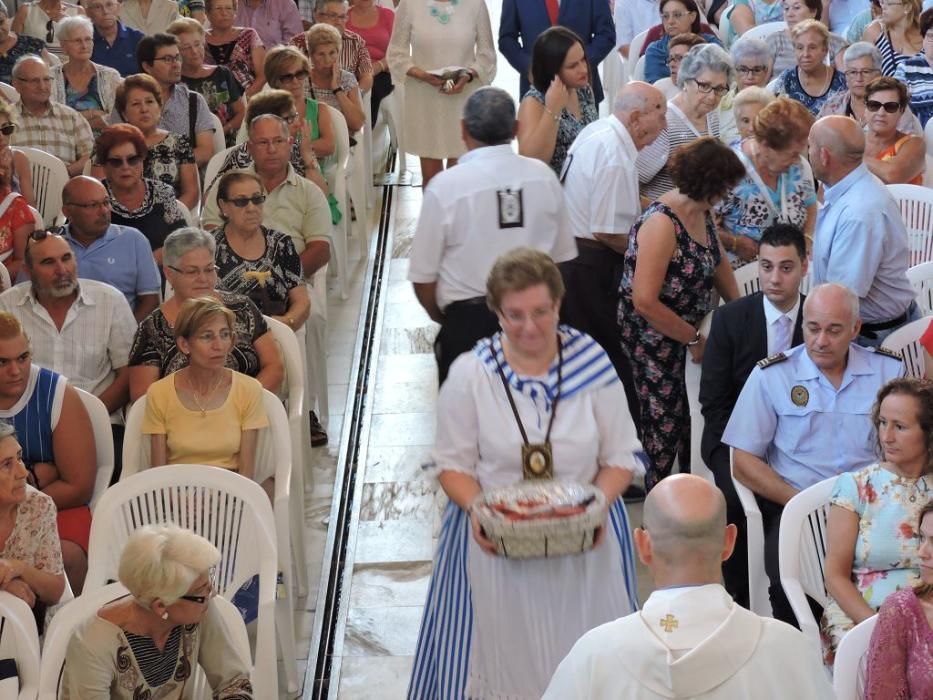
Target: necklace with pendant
x,y
443,15
207,396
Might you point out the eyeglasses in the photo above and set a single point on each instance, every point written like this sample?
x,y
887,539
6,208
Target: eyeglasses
x,y
80,40
36,82
266,143
297,75
891,3
751,70
8,129
290,119
190,47
98,6
707,88
862,74
333,15
49,32
169,60
674,59
117,162
192,272
101,204
211,582
676,16
889,107
241,202
210,336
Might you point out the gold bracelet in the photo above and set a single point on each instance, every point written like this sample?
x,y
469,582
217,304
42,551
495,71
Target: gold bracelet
x,y
555,117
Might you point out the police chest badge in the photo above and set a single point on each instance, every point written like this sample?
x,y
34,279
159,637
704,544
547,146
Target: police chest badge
x,y
799,395
511,211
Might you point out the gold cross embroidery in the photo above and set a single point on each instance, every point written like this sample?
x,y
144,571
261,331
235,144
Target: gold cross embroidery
x,y
669,623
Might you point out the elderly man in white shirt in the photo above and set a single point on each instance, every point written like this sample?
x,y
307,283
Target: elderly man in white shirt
x,y
492,202
601,189
690,640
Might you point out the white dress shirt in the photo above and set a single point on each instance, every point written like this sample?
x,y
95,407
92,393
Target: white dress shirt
x,y
772,314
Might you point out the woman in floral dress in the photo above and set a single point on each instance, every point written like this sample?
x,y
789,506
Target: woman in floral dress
x,y
674,259
873,546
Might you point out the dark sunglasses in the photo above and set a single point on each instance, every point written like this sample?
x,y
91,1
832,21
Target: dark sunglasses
x,y
49,32
889,107
115,162
8,129
297,75
199,599
42,234
241,202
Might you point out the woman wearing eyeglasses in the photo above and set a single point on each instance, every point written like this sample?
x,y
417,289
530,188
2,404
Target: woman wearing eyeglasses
x,y
137,201
677,17
41,20
704,77
238,48
147,644
188,261
253,260
676,50
752,61
812,82
897,33
169,158
81,84
893,156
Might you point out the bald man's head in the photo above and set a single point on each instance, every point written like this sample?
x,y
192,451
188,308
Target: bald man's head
x,y
685,517
836,147
642,108
87,205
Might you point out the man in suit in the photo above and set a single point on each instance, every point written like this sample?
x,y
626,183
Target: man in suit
x,y
523,20
743,332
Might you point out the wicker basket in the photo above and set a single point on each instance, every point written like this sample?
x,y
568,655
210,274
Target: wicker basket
x,y
543,537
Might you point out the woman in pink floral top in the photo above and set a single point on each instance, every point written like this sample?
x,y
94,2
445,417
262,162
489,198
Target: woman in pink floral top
x,y
900,658
872,542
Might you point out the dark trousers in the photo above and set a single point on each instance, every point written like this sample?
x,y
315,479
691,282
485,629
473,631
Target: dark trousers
x,y
465,322
382,88
118,432
735,568
591,305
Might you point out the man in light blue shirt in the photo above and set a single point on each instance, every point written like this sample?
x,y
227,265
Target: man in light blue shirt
x,y
860,237
805,415
117,255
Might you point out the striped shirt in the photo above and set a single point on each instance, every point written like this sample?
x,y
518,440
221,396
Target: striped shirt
x,y
353,54
890,58
916,73
36,414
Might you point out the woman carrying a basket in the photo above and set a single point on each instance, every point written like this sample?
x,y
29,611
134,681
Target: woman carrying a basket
x,y
536,400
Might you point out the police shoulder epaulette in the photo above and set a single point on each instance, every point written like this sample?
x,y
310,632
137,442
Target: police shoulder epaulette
x,y
772,360
893,354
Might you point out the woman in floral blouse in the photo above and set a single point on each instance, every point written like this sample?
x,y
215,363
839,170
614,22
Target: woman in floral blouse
x,y
871,537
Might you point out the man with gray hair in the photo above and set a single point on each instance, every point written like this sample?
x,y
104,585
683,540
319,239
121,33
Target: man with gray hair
x,y
601,186
492,202
860,239
690,639
804,415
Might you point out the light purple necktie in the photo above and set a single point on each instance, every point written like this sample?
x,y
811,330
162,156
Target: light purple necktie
x,y
782,335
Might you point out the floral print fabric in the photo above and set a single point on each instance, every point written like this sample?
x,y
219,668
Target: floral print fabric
x,y
163,159
34,539
569,125
237,55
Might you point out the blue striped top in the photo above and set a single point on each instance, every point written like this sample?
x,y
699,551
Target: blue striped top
x,y
917,74
36,414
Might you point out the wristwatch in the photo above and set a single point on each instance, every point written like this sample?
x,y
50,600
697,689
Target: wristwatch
x,y
695,341
337,89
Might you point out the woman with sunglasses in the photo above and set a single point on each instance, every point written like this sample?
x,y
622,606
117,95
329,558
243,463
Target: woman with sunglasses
x,y
169,156
147,644
137,201
13,45
893,156
812,82
253,260
41,19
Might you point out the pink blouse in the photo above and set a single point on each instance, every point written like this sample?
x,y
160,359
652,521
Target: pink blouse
x,y
376,37
900,657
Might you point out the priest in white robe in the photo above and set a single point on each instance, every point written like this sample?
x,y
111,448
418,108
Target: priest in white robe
x,y
691,640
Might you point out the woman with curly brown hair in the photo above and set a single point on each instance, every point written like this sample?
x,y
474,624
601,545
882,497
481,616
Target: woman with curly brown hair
x,y
673,261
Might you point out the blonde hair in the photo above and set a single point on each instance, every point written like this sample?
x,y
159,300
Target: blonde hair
x,y
322,34
194,313
8,109
753,95
810,25
162,561
518,270
10,327
185,25
277,61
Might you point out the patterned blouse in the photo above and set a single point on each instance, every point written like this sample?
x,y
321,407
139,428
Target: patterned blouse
x,y
163,159
156,217
279,258
569,126
237,55
24,46
221,91
347,84
34,539
788,83
154,344
890,58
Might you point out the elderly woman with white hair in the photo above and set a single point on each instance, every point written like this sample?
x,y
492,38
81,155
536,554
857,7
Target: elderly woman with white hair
x,y
746,106
148,643
80,83
705,75
753,61
812,81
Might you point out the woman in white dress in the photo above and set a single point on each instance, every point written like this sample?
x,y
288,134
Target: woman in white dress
x,y
496,627
430,35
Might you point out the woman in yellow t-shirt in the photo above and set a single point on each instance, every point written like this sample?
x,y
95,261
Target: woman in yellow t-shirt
x,y
205,413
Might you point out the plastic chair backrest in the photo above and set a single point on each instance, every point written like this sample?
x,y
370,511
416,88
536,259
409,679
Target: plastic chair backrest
x,y
5,281
921,277
692,373
213,167
638,73
802,552
293,360
927,135
746,277
186,212
763,31
337,182
906,341
849,669
220,142
20,642
49,176
103,441
634,49
916,205
9,93
231,512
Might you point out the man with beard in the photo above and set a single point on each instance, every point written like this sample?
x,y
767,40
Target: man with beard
x,y
116,255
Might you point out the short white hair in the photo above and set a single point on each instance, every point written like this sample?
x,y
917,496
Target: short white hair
x,y
162,561
69,26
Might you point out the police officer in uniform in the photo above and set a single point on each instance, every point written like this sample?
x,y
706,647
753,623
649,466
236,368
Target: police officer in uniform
x,y
804,415
492,202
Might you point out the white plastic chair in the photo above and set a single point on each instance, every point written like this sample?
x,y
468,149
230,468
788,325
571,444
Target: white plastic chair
x,y
359,186
213,167
638,72
692,373
906,341
103,441
190,219
725,25
801,553
763,31
927,135
20,642
220,505
916,205
392,109
848,669
217,136
613,79
746,277
316,396
634,49
5,281
337,182
758,597
9,93
921,277
49,176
